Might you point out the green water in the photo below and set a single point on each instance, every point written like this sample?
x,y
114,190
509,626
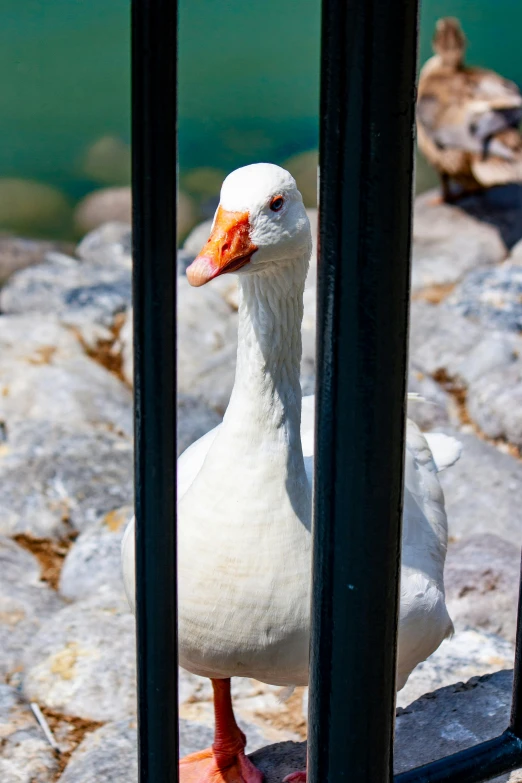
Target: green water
x,y
248,78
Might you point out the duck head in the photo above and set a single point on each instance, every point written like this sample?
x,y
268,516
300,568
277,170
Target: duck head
x,y
260,224
449,41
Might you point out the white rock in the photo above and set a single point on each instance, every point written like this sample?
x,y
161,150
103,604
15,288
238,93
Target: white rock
x,y
26,756
470,653
45,375
26,603
94,560
447,243
82,661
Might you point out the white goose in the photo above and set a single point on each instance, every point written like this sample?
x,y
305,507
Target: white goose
x,y
244,509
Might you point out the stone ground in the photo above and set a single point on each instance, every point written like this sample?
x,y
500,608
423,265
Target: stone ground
x,y
66,635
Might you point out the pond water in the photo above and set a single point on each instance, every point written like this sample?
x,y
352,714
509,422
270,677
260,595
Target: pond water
x,y
248,81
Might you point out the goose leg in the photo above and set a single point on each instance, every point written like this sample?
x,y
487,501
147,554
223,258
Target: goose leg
x,y
225,761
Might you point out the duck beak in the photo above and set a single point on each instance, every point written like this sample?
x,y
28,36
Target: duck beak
x,y
227,250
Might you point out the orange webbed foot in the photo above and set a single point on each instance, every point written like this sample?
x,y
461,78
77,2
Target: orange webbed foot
x,y
296,777
207,767
436,201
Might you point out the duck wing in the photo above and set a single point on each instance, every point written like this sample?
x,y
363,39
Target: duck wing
x,y
467,109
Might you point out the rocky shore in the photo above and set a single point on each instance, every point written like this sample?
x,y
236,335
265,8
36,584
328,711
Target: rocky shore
x,y
66,634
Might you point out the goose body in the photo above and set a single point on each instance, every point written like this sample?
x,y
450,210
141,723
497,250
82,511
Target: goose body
x,y
423,623
467,118
245,488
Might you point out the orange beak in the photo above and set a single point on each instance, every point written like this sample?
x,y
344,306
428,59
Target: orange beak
x,y
227,250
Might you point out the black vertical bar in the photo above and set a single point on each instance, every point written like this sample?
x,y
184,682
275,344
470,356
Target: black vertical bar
x,y
516,703
154,115
368,62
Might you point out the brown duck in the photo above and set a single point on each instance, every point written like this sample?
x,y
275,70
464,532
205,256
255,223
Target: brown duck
x,y
467,118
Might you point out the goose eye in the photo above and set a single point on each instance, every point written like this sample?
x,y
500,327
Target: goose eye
x,y
277,203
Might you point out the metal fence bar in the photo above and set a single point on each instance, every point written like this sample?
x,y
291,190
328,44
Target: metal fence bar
x,y
369,50
154,44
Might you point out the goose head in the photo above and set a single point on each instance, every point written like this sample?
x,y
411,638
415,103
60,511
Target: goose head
x,y
260,225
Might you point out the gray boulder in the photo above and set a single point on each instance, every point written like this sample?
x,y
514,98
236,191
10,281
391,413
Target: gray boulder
x,y
45,375
56,477
26,756
108,754
71,289
469,653
495,403
110,245
452,719
496,351
482,491
436,725
195,418
82,661
26,604
17,253
448,243
440,339
492,296
94,560
435,408
481,578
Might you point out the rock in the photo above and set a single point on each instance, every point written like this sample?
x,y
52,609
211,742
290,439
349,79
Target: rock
x,y
25,604
26,755
452,719
110,753
469,653
56,477
482,491
197,238
492,296
448,243
481,578
207,343
32,208
74,291
82,661
195,418
94,560
496,351
108,161
108,245
187,214
435,408
304,168
440,339
102,206
516,253
17,253
434,726
127,348
495,403
313,217
45,375
184,259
